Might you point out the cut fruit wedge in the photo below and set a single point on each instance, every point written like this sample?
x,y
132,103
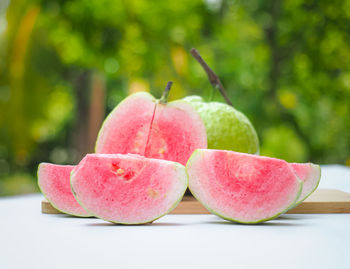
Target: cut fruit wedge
x,y
54,183
242,187
141,124
128,189
310,175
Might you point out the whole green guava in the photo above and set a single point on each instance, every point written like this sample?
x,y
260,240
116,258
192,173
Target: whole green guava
x,y
227,128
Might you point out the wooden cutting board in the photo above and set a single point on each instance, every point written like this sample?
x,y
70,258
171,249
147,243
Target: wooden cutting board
x,y
322,201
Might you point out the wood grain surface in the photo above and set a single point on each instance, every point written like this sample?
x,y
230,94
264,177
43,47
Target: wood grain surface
x,y
322,201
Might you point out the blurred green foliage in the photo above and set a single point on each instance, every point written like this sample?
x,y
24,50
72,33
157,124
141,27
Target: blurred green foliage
x,y
285,64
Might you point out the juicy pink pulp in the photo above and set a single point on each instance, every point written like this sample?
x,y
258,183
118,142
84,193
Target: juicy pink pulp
x,y
126,128
242,187
142,126
54,182
128,189
310,175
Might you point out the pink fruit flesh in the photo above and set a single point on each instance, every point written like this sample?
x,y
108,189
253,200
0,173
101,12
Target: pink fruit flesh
x,y
242,187
177,130
310,175
128,189
54,182
126,128
140,125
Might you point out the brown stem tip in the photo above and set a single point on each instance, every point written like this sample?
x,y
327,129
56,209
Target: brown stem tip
x,y
164,98
213,78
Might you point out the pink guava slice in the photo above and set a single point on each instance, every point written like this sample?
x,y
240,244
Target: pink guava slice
x,y
177,130
126,128
128,188
242,187
141,125
54,183
310,175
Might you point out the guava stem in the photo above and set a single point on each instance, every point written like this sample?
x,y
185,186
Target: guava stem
x,y
213,78
212,93
164,98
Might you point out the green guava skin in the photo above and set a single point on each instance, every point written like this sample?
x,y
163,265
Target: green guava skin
x,y
227,128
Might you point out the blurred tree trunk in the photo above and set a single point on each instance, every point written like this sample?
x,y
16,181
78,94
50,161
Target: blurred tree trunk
x,y
97,108
90,107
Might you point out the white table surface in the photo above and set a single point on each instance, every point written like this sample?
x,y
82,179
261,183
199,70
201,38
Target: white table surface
x,y
29,239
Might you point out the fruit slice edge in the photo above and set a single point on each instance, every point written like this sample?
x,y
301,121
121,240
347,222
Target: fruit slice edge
x,y
310,174
128,189
238,197
54,183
